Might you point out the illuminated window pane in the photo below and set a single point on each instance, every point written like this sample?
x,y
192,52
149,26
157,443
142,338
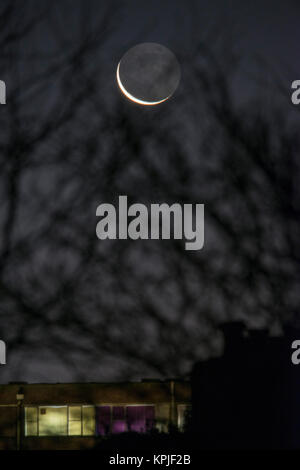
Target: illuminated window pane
x,y
74,428
103,414
75,413
118,420
31,421
31,413
162,416
30,429
53,421
88,418
140,418
183,411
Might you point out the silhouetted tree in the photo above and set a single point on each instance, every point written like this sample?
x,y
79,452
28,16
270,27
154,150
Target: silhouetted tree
x,y
70,141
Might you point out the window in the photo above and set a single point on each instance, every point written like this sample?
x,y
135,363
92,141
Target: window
x,y
103,420
74,420
140,418
184,412
31,421
88,420
59,420
53,421
162,417
116,419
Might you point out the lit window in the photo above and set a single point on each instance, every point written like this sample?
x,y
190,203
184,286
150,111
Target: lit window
x,y
88,420
183,416
60,421
162,417
31,421
117,419
53,421
74,420
140,418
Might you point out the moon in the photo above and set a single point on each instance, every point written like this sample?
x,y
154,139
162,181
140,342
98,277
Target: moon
x,y
148,74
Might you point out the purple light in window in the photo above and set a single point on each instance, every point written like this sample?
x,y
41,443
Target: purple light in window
x,y
119,423
140,418
102,420
150,417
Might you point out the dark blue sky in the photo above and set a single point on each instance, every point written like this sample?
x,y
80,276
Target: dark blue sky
x,y
261,27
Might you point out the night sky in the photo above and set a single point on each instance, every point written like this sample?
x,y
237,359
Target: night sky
x,y
76,308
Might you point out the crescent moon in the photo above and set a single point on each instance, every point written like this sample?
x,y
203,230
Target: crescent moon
x,y
133,98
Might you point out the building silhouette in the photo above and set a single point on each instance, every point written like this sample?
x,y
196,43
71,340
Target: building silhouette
x,y
250,397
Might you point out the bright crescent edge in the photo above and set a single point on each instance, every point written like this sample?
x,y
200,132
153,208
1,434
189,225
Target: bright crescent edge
x,y
131,97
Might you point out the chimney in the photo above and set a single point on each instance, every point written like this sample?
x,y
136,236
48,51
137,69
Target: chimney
x,y
234,336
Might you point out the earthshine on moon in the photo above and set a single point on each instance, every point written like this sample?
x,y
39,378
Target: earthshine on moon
x,y
148,74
